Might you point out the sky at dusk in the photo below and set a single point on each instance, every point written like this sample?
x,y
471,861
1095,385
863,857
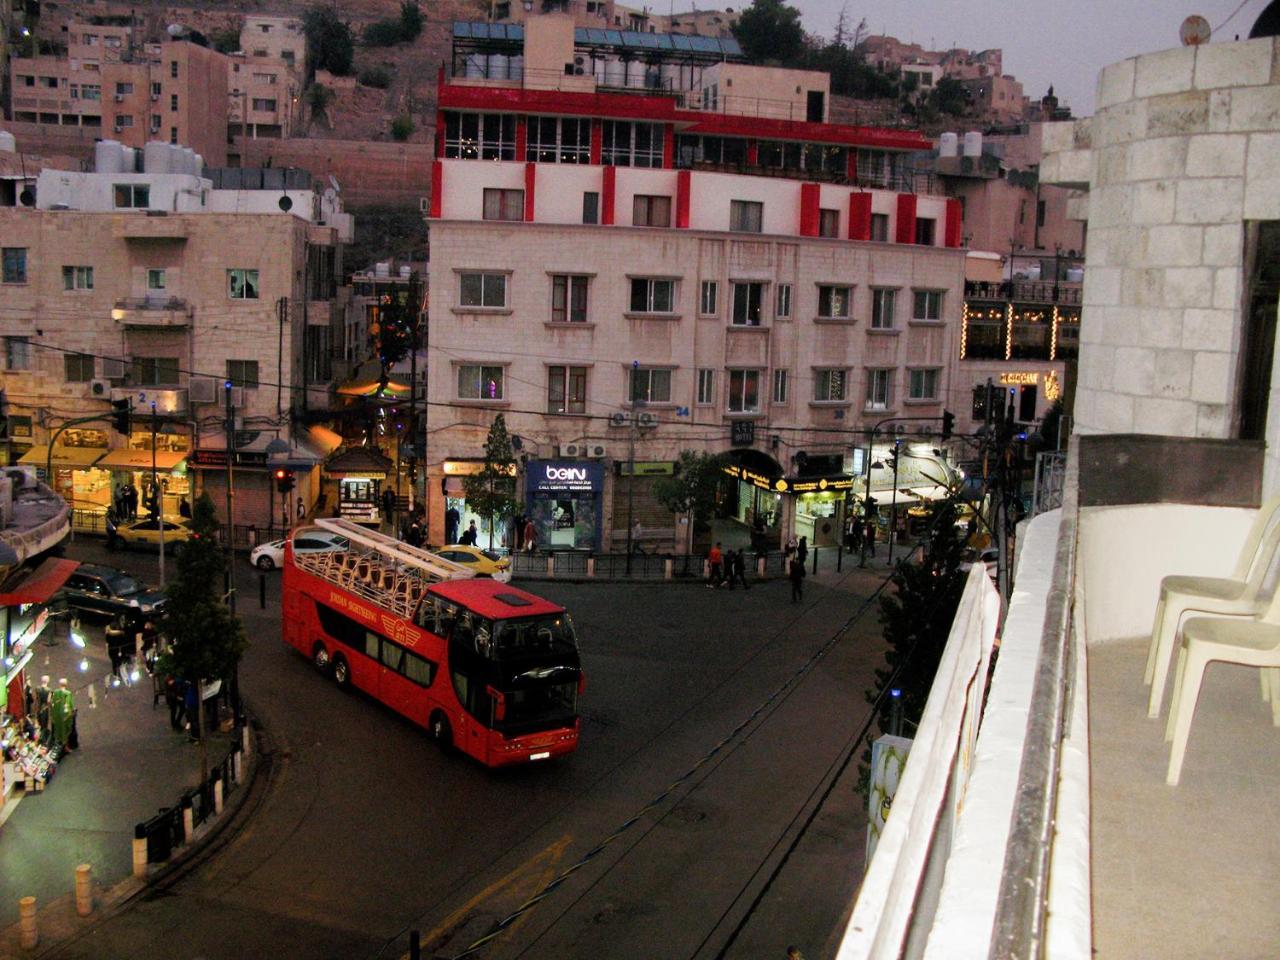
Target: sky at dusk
x,y
1044,41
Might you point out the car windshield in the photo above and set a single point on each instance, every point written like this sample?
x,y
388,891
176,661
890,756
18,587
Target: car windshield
x,y
535,635
123,585
491,555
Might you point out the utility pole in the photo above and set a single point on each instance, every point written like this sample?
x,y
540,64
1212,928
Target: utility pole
x,y
231,455
155,487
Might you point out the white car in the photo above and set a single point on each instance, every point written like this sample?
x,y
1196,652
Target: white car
x,y
270,556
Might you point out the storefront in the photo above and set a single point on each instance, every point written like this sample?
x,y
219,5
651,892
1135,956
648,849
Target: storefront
x,y
76,473
18,433
255,501
457,517
357,476
820,507
133,467
563,498
754,496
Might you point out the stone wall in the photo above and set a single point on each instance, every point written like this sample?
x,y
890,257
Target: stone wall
x,y
370,172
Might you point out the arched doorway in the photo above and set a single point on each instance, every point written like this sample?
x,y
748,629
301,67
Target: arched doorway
x,y
753,505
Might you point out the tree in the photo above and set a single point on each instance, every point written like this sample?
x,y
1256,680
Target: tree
x,y
226,40
692,488
410,20
382,33
402,127
949,96
318,97
770,30
492,492
329,42
376,77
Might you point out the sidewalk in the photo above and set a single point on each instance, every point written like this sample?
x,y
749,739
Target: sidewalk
x,y
130,765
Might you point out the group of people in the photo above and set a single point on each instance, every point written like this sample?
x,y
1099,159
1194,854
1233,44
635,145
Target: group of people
x,y
124,502
727,569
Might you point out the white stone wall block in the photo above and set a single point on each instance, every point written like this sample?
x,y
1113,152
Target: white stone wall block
x,y
1262,199
1210,200
1121,123
1224,244
1211,378
1055,137
1109,412
1115,83
1173,374
1136,367
1111,206
1212,330
1213,420
1099,372
1153,202
1189,287
1166,417
1215,155
1219,118
1102,285
1168,71
1142,288
1255,108
1121,326
1226,288
1264,155
1175,245
1178,114
1157,327
1111,165
1233,64
1158,158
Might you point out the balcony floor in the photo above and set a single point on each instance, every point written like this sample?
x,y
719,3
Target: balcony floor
x,y
1188,871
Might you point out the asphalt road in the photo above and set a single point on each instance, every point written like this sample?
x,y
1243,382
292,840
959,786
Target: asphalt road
x,y
710,729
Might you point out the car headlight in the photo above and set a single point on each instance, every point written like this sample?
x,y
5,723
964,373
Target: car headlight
x,y
133,602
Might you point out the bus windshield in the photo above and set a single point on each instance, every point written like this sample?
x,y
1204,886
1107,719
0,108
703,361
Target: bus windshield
x,y
537,635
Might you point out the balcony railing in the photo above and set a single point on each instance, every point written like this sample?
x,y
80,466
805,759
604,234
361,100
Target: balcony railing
x,y
1066,292
152,312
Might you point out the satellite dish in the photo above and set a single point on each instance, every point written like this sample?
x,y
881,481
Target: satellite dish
x,y
175,30
1195,31
27,197
286,204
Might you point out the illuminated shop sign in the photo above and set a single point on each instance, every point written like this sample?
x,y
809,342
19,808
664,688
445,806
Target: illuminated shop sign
x,y
1019,378
563,476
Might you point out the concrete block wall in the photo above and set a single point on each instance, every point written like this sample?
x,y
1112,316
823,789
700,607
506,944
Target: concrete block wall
x,y
1184,149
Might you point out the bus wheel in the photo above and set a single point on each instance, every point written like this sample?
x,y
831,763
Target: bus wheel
x,y
341,672
320,657
439,730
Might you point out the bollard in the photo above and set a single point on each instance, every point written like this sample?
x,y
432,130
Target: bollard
x,y
666,569
591,567
760,562
839,558
815,559
245,742
262,591
237,773
188,820
551,564
217,796
84,889
30,936
140,851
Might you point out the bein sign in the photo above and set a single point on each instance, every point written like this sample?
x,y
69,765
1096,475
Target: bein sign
x,y
558,476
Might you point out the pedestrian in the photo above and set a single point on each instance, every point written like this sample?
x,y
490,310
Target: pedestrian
x,y
530,536
42,702
796,574
451,521
173,699
471,535
869,538
715,560
517,531
730,560
119,639
793,953
184,508
635,539
131,501
802,549
789,550
191,703
738,571
415,533
388,503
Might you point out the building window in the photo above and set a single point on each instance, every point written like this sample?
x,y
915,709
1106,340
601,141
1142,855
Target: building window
x,y
173,135
566,390
132,195
880,227
650,385
78,366
155,123
155,279
479,136
591,207
829,385
923,385
242,284
503,204
651,211
784,301
879,389
173,101
707,299
155,90
123,88
243,373
173,68
748,304
746,216
882,307
155,371
779,386
625,143
833,302
744,391
652,296
477,382
706,386
558,140
264,105
568,298
1040,212
925,231
124,120
17,353
829,223
15,264
483,290
926,305
77,278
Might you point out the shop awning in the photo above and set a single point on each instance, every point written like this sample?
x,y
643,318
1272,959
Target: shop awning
x,y
365,462
370,388
40,584
77,458
324,439
141,459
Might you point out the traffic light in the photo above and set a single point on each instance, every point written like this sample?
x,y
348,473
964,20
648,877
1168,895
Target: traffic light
x,y
284,480
121,414
948,424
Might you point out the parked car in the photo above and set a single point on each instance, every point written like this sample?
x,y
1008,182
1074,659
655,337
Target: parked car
x,y
485,563
108,592
145,532
270,556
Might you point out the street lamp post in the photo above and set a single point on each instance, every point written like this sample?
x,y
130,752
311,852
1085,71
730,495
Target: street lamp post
x,y
155,490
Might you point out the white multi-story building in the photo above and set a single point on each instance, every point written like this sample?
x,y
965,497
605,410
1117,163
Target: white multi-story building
x,y
715,267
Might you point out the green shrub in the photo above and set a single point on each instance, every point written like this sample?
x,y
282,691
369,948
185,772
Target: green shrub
x,y
401,127
382,33
377,77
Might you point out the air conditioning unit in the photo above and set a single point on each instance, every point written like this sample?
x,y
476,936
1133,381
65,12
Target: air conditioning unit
x,y
155,97
237,396
573,450
597,451
617,419
100,388
119,98
900,429
112,368
647,420
119,127
203,390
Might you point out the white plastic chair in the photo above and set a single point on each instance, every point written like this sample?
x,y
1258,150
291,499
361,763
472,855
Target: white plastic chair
x,y
1254,642
1234,596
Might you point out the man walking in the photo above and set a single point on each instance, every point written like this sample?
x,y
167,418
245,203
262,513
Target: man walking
x,y
795,573
715,560
738,569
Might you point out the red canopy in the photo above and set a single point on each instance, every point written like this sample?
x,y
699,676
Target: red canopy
x,y
40,584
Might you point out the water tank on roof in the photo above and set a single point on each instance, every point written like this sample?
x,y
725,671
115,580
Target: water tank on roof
x,y
497,66
1075,274
106,156
7,143
615,73
948,145
188,160
382,268
473,66
405,271
156,156
973,144
128,160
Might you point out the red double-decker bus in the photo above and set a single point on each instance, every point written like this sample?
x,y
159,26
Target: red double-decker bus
x,y
484,666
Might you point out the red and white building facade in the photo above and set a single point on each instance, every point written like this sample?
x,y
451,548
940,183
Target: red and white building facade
x,y
628,273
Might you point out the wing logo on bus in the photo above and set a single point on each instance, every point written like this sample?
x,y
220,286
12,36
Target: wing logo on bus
x,y
398,630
